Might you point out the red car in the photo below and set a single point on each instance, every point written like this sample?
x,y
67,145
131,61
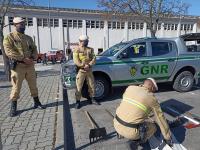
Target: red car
x,y
55,55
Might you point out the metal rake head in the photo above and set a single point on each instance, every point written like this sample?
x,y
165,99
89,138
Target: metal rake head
x,y
97,133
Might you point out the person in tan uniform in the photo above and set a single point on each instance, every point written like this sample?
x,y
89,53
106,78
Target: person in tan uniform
x,y
84,58
22,52
131,120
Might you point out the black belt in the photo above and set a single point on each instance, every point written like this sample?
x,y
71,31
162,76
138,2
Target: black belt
x,y
22,62
126,123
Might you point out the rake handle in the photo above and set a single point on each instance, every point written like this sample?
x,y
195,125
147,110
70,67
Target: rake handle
x,y
92,122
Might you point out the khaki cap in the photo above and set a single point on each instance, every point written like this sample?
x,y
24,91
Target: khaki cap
x,y
83,38
154,83
18,20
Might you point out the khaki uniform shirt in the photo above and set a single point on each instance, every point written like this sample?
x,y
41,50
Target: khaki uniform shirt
x,y
84,55
19,46
134,115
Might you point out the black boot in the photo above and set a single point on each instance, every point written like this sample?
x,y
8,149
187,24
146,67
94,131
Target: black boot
x,y
78,104
89,100
94,101
37,103
13,109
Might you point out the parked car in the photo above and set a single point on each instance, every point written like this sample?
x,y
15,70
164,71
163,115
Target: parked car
x,y
40,57
164,59
55,55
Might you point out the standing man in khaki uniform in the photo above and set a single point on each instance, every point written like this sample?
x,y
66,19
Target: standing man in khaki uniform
x,y
132,114
84,58
22,52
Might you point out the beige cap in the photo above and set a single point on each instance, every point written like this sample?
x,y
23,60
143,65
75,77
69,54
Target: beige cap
x,y
154,83
83,37
18,20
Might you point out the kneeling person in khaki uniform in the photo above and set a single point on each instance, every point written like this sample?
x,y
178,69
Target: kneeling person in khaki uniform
x,y
84,58
132,114
22,52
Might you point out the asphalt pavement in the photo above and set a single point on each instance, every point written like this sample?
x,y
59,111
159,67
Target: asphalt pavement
x,y
188,101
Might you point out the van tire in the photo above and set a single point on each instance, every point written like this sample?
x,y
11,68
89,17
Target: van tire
x,y
183,81
103,88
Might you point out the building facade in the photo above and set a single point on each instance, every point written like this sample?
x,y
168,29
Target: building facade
x,y
66,25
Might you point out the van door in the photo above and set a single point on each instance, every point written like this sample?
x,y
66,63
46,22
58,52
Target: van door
x,y
128,69
163,60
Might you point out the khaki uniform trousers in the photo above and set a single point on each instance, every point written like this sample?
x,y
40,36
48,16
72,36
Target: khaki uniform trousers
x,y
20,73
80,78
133,133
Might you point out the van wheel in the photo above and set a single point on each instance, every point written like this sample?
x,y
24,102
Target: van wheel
x,y
102,88
184,81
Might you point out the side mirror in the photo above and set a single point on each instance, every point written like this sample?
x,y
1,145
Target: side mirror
x,y
123,55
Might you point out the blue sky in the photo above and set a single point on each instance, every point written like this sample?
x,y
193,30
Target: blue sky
x,y
92,4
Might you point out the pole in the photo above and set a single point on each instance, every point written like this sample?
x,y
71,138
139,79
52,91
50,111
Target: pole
x,y
50,24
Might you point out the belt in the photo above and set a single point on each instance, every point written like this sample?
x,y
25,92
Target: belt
x,y
126,123
21,62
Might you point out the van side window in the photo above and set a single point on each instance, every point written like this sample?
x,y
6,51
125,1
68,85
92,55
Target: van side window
x,y
161,48
137,50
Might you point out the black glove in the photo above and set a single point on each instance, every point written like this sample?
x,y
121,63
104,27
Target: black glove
x,y
169,142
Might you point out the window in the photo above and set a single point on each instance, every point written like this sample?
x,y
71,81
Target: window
x,y
97,24
137,26
75,24
168,26
51,22
10,20
79,23
141,26
181,26
39,21
172,27
56,23
30,21
161,48
185,27
133,25
45,22
122,25
165,26
188,27
176,26
191,27
102,24
118,25
69,23
88,23
159,26
136,50
92,24
109,25
114,25
64,23
129,25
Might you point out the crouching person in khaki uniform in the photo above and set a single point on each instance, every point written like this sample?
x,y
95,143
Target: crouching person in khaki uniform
x,y
22,52
132,114
84,58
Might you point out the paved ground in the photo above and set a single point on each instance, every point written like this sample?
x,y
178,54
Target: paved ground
x,y
33,129
166,96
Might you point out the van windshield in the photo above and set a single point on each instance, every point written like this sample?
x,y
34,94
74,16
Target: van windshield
x,y
113,50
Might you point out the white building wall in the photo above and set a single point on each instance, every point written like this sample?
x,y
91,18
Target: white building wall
x,y
66,37
96,38
115,36
44,39
134,34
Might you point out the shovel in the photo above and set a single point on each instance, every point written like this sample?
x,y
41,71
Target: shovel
x,y
96,132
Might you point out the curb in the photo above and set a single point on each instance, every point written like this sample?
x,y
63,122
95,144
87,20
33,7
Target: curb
x,y
59,144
